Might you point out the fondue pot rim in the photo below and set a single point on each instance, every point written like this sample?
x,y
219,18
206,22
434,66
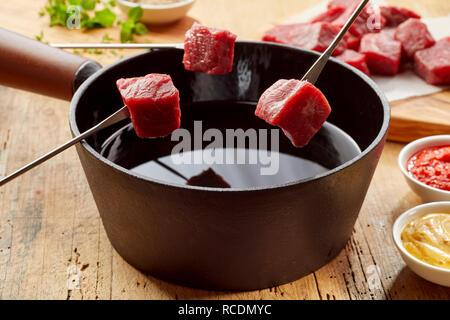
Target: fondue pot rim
x,y
381,134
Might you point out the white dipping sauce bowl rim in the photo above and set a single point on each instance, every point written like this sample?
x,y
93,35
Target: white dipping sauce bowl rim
x,y
412,148
406,217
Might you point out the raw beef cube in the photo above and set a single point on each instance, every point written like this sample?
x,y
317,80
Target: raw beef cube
x,y
389,31
395,16
317,36
352,41
283,33
433,64
208,178
153,103
208,50
329,16
297,107
383,53
344,4
414,36
369,20
355,59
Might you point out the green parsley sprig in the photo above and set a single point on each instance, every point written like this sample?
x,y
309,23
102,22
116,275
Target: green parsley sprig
x,y
88,17
61,12
132,26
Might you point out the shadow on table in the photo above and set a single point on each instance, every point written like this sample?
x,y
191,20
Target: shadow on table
x,y
177,292
408,285
408,201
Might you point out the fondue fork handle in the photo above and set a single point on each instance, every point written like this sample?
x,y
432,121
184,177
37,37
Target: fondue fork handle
x,y
116,117
314,72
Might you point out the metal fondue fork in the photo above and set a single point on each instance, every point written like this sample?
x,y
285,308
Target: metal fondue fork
x,y
113,119
314,72
310,76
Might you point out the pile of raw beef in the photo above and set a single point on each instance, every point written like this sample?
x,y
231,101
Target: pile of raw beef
x,y
381,41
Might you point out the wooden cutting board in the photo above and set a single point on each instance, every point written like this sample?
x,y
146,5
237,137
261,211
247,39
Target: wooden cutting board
x,y
419,117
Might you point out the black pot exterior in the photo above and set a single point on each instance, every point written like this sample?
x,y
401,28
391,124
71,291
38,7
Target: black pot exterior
x,y
229,238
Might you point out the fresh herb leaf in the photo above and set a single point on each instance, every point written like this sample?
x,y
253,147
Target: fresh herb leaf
x,y
140,29
135,13
57,10
132,26
74,2
109,3
105,17
90,18
86,21
88,4
106,38
89,23
126,34
40,36
93,51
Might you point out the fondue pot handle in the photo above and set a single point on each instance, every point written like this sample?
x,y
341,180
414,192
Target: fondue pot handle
x,y
33,66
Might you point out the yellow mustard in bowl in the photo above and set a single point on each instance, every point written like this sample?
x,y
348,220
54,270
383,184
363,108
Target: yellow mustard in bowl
x,y
428,239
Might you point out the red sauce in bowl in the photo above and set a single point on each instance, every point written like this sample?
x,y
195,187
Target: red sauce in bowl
x,y
432,167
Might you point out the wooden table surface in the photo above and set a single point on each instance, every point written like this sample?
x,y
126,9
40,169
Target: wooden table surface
x,y
52,242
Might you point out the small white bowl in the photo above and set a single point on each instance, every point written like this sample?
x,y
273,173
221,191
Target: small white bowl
x,y
427,193
431,273
161,13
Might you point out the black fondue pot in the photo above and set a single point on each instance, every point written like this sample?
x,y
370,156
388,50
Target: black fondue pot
x,y
237,239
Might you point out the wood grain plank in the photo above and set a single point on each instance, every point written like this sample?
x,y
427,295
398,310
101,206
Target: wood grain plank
x,y
50,231
420,117
388,197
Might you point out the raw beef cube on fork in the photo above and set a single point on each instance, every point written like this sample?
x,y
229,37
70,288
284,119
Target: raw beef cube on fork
x,y
208,50
297,107
355,59
414,36
383,53
433,64
394,16
153,103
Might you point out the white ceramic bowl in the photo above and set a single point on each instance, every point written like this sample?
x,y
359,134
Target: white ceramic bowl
x,y
159,14
431,273
427,193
